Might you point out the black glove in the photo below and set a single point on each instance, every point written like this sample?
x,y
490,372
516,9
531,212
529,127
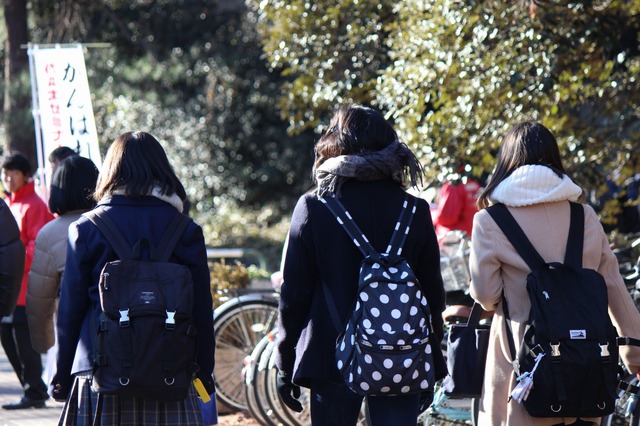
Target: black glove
x,y
426,398
59,392
289,393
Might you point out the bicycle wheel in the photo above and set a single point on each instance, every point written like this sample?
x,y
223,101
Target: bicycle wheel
x,y
251,372
281,411
259,382
239,325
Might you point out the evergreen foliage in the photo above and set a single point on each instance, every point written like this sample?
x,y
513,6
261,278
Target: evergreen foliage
x,y
236,93
192,73
454,76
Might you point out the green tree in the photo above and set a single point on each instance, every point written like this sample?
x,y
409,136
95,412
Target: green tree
x,y
192,73
328,52
17,118
454,76
483,66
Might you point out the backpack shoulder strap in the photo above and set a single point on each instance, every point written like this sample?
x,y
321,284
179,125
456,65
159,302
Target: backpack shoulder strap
x,y
168,243
518,239
516,236
344,218
575,242
111,232
402,226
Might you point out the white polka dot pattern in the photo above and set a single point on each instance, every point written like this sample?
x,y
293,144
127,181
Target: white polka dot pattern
x,y
385,348
393,314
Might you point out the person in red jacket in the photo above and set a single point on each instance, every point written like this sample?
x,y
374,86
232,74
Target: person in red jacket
x,y
456,205
31,213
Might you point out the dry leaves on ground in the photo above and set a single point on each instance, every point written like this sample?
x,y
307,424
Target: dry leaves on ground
x,y
236,419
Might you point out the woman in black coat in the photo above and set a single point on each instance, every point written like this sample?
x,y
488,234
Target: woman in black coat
x,y
139,191
361,161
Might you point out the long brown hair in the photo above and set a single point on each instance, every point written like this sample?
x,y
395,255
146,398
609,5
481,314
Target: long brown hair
x,y
136,164
528,142
356,129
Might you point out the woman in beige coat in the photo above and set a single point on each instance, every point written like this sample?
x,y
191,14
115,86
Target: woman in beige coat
x,y
72,187
530,180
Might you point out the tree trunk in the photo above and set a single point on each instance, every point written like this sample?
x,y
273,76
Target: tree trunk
x,y
18,119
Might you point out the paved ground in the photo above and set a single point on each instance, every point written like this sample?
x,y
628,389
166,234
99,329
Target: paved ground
x,y
10,391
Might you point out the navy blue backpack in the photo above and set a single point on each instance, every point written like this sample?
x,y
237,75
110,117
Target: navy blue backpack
x,y
386,346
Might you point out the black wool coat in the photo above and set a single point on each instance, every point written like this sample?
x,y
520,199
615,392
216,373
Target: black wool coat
x,y
321,255
87,253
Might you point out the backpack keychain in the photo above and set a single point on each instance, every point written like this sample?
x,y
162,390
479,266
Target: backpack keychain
x,y
525,383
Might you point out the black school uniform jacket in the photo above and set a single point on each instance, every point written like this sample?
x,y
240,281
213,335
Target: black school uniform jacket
x,y
87,253
320,255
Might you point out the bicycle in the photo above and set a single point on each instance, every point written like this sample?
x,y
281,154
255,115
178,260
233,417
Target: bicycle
x,y
455,248
239,324
254,377
264,402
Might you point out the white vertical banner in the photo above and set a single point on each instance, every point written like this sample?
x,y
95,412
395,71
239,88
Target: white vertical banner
x,y
63,109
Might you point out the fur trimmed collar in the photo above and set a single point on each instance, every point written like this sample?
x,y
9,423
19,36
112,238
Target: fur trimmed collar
x,y
534,184
173,199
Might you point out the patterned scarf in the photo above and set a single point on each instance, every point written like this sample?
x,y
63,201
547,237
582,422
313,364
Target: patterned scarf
x,y
396,161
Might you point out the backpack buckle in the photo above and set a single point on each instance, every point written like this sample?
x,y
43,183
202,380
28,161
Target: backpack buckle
x,y
170,322
604,350
124,318
555,350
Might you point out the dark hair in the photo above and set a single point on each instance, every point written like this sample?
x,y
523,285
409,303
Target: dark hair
x,y
526,143
72,185
136,164
60,153
17,161
354,129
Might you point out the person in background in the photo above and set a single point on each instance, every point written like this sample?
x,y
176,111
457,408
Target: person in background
x,y
139,191
59,154
11,260
71,194
456,204
531,181
359,159
31,214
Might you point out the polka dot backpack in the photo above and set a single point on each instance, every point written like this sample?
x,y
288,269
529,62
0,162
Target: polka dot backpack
x,y
385,348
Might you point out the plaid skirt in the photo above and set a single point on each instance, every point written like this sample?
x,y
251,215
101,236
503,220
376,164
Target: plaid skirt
x,y
85,407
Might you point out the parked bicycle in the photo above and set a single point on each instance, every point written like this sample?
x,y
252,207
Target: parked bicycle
x,y
454,267
263,401
239,324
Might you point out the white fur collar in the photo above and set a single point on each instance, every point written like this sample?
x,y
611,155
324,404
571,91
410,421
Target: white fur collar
x,y
173,199
534,184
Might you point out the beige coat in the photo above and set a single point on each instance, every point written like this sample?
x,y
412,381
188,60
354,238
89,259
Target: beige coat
x,y
496,266
45,277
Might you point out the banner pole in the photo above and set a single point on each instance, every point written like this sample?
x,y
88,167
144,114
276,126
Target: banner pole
x,y
35,111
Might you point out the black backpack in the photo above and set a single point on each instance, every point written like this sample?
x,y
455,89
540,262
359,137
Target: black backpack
x,y
570,346
386,346
146,339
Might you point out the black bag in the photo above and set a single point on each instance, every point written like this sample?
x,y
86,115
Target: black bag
x,y
386,346
466,356
570,348
146,339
